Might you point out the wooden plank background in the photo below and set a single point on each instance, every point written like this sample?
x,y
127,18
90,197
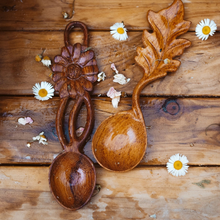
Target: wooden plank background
x,y
189,130
98,15
181,113
18,63
137,194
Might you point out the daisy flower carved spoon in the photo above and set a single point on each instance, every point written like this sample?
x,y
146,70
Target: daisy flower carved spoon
x,y
72,175
120,142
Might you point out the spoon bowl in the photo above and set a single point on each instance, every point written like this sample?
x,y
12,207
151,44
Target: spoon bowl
x,y
120,142
72,179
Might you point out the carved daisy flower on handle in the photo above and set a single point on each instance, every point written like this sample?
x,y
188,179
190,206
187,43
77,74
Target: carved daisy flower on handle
x,y
74,71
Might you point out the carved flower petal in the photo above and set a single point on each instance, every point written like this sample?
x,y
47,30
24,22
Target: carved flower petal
x,y
60,83
58,68
60,60
70,49
91,78
72,91
63,91
91,63
65,52
79,88
57,76
87,85
85,57
77,51
90,70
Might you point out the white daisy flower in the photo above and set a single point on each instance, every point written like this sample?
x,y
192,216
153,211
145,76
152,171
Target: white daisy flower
x,y
205,28
177,165
41,138
44,91
118,31
46,61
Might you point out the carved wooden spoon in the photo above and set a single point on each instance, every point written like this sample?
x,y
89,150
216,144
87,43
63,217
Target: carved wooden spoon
x,y
72,175
120,141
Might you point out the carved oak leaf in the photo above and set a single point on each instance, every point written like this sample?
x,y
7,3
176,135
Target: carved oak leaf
x,y
162,44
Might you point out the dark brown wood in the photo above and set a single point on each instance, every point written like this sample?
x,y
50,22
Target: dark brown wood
x,y
72,175
97,14
120,141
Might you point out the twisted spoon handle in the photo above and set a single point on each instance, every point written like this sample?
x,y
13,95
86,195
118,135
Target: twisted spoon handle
x,y
75,142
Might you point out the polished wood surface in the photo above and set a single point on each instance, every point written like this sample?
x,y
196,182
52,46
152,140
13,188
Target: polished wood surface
x,y
120,141
72,175
181,113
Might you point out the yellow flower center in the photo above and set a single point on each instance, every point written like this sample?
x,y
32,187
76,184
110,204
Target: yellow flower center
x,y
178,165
206,30
42,93
42,136
46,58
120,30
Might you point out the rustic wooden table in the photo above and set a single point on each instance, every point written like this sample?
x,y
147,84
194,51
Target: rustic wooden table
x,y
181,111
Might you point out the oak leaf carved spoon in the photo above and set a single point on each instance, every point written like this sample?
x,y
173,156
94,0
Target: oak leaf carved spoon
x,y
120,141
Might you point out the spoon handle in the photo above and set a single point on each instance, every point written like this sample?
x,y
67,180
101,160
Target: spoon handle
x,y
74,72
161,46
69,28
145,80
78,142
75,142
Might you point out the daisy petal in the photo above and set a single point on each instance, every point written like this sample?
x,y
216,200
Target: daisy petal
x,y
60,60
91,63
90,70
65,52
72,91
85,57
60,83
79,89
87,85
70,49
57,76
58,68
77,51
63,91
92,78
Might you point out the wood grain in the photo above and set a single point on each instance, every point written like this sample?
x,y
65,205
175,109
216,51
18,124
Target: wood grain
x,y
25,194
173,126
198,75
47,15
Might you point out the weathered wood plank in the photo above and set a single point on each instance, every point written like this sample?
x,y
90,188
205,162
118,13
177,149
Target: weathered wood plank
x,y
137,194
97,14
198,74
174,126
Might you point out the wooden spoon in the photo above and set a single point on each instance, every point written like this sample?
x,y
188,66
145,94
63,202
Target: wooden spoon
x,y
72,175
120,141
